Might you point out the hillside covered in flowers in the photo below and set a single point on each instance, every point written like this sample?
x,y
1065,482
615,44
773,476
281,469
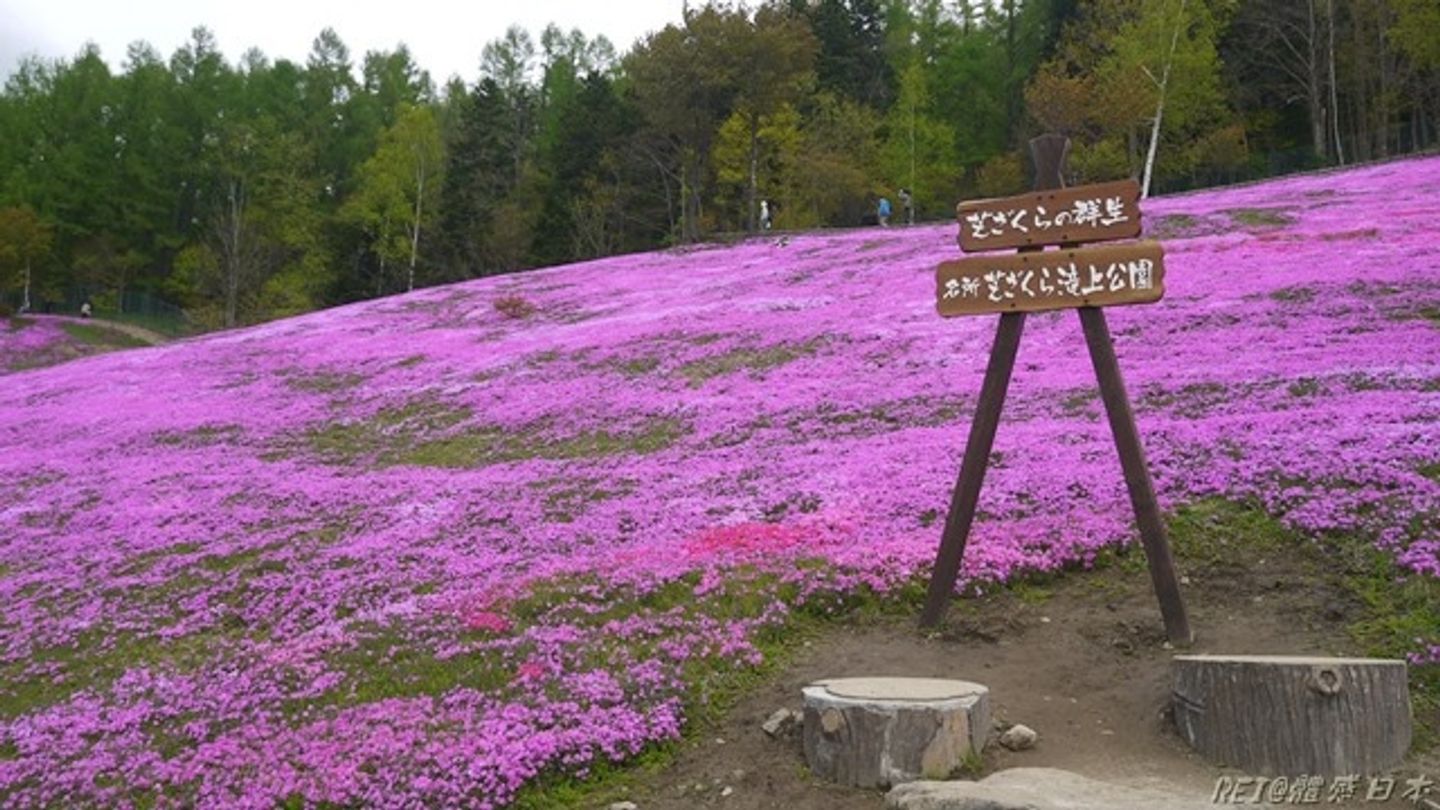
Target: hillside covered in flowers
x,y
432,548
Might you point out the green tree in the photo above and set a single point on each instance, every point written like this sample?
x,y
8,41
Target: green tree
x,y
479,175
850,61
919,149
682,81
772,58
399,189
830,174
1128,74
262,255
24,241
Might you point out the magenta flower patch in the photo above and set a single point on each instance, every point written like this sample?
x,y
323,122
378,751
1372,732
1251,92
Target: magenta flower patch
x,y
425,550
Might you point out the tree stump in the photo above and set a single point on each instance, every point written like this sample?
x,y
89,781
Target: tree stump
x,y
1293,716
876,732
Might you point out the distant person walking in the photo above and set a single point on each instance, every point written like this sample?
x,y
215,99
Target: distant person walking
x,y
882,212
764,215
85,310
907,206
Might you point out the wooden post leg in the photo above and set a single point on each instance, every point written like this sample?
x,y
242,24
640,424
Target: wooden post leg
x,y
1137,475
972,468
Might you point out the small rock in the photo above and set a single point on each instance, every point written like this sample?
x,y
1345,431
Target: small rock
x,y
719,740
1184,580
624,806
1044,619
726,792
737,774
1019,737
781,723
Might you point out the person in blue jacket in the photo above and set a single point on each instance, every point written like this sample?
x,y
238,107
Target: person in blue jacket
x,y
882,212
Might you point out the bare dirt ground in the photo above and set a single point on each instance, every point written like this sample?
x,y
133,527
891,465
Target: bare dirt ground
x,y
1081,659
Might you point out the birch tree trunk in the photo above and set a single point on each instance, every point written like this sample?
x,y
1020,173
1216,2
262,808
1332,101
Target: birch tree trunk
x,y
1164,84
751,191
25,300
233,233
1312,90
415,224
1334,94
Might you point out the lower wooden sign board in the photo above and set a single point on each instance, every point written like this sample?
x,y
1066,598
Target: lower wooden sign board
x,y
1104,276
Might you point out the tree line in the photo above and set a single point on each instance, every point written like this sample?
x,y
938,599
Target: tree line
x,y
261,188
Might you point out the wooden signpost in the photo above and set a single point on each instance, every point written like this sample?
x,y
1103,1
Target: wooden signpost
x,y
1035,280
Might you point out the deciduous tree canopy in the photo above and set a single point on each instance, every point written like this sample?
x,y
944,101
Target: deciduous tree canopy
x,y
250,189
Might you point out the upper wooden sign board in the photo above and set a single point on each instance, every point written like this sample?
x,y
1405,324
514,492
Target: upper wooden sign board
x,y
1107,275
1093,213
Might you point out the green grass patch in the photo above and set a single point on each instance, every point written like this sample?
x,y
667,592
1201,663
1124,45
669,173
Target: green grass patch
x,y
171,326
1293,295
565,499
18,322
638,366
324,382
1260,217
143,562
1431,470
752,359
96,659
481,446
1079,401
430,433
1180,226
203,436
102,337
387,663
1399,612
1192,401
1214,532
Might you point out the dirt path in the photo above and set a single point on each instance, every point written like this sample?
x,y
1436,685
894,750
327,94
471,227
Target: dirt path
x,y
137,332
1082,660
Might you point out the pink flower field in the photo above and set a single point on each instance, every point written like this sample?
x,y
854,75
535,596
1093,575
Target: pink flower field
x,y
34,341
432,549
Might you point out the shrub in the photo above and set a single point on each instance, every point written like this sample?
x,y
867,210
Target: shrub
x,y
1001,175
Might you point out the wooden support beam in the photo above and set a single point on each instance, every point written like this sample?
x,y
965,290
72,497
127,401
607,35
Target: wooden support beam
x,y
972,469
1137,475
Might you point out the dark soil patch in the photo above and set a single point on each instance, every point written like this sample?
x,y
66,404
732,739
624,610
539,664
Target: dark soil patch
x,y
1081,658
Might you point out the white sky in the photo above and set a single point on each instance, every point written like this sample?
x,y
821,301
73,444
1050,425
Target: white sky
x,y
445,38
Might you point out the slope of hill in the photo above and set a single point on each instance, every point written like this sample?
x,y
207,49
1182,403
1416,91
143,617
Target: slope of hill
x,y
431,548
36,341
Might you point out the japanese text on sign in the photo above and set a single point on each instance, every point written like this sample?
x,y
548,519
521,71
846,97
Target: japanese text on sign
x,y
1122,274
1093,213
